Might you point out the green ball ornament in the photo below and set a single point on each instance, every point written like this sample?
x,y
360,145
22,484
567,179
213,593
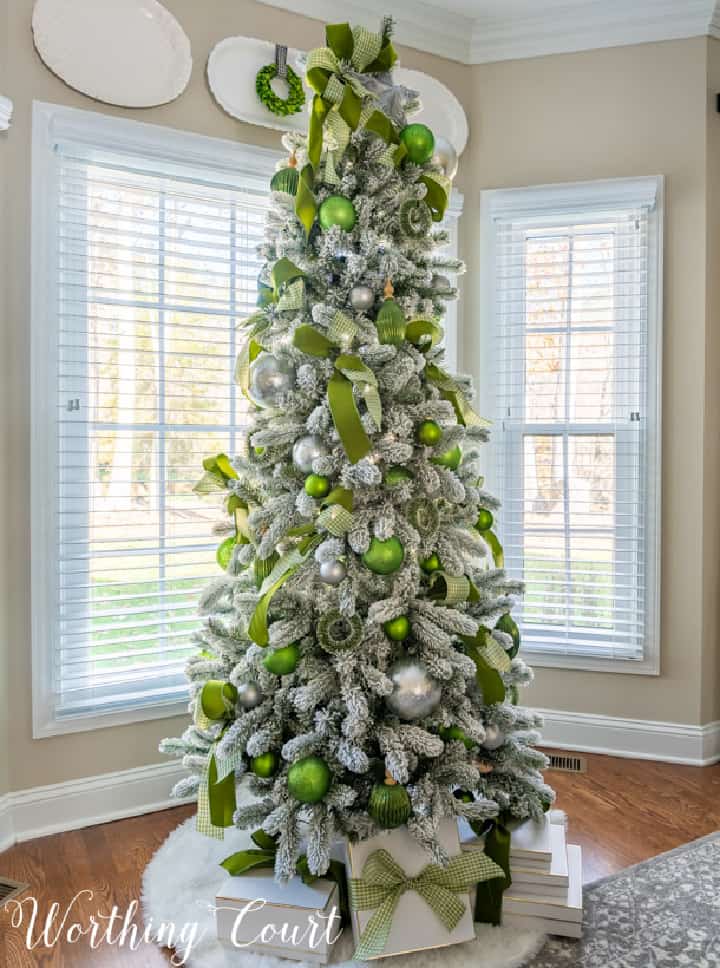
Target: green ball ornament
x,y
316,485
448,733
309,779
224,552
419,142
450,459
265,765
283,661
429,433
395,474
398,628
389,805
337,210
384,557
431,564
485,520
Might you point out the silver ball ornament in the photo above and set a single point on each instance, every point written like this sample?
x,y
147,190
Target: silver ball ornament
x,y
415,693
362,298
441,282
249,695
445,156
306,450
494,737
270,379
332,572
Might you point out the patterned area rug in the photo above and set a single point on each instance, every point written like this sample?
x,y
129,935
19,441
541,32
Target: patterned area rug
x,y
662,913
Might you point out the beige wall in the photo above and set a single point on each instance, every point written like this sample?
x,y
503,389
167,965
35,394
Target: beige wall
x,y
621,112
711,502
67,757
4,325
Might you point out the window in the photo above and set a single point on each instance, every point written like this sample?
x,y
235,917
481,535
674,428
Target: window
x,y
572,378
144,262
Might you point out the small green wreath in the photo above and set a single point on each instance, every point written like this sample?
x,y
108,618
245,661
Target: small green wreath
x,y
295,100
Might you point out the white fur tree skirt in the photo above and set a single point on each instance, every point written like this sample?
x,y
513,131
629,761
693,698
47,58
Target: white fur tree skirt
x,y
179,887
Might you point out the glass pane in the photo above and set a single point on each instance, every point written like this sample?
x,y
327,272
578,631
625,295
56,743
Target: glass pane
x,y
545,377
547,280
593,270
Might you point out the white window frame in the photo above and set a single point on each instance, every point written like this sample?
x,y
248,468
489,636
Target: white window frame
x,y
450,223
554,200
51,122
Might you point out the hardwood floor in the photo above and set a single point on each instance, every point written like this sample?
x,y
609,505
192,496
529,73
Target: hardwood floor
x,y
621,811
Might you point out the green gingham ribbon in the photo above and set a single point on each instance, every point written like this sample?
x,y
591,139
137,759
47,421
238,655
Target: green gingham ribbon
x,y
450,390
449,589
487,673
218,471
216,793
335,519
495,655
342,328
383,882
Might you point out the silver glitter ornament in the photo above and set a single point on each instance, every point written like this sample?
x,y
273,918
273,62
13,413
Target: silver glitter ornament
x,y
249,695
445,156
415,693
270,379
362,298
332,572
306,450
494,737
440,282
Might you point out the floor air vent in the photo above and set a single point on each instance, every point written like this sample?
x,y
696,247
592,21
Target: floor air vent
x,y
568,764
10,889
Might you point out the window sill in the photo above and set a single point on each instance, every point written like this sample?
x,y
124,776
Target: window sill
x,y
87,722
542,658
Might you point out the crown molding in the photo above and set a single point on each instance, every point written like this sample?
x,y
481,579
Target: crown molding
x,y
560,29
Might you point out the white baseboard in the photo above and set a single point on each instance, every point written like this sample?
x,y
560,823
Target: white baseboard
x,y
82,803
635,738
112,796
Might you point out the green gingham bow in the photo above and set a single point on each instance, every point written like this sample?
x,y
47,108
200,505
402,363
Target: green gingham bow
x,y
383,883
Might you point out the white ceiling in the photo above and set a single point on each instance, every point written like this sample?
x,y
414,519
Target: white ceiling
x,y
480,31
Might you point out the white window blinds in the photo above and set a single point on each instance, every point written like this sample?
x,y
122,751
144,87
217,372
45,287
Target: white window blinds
x,y
576,413
153,264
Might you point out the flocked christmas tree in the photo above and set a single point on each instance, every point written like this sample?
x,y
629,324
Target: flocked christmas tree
x,y
358,660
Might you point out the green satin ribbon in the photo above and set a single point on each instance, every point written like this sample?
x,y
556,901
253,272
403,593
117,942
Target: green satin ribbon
x,y
423,333
311,341
305,204
218,471
216,794
438,193
350,370
487,675
383,882
283,570
449,390
248,860
489,897
495,547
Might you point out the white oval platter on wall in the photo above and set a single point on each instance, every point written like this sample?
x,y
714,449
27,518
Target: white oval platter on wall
x,y
231,70
132,53
441,110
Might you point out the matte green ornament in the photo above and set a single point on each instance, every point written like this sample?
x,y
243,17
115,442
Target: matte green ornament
x,y
485,520
265,765
384,557
337,210
391,323
285,180
429,433
389,805
398,628
506,623
224,552
450,459
309,779
419,142
431,564
396,473
317,486
283,661
448,733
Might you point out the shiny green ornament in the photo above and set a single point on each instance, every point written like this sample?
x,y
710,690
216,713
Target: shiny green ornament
x,y
506,623
265,765
309,779
398,628
390,323
431,564
419,142
389,805
224,552
285,180
450,459
317,486
384,557
448,733
396,473
485,520
337,210
429,433
283,661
